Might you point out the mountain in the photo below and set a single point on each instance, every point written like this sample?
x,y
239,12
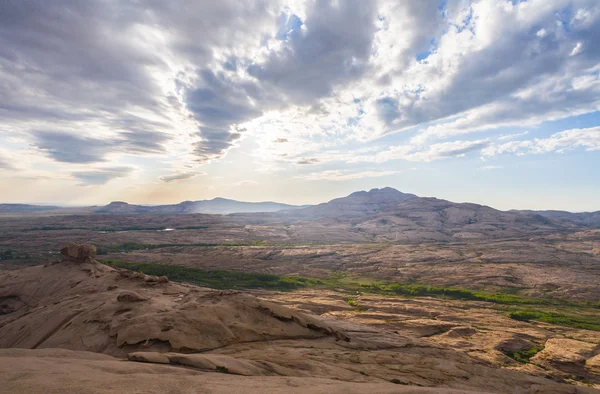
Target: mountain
x,y
591,219
218,205
356,204
25,208
382,215
37,209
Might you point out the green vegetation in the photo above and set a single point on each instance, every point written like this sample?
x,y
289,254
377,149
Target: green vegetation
x,y
129,228
14,257
11,254
52,228
563,313
131,246
111,229
220,279
357,308
454,293
523,356
227,279
559,319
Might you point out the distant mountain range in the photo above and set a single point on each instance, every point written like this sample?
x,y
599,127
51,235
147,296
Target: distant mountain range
x,y
374,208
585,218
356,204
218,205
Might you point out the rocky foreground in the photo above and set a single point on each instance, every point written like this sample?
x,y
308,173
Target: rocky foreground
x,y
80,326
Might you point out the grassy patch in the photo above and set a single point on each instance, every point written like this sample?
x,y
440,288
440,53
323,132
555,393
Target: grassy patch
x,y
227,279
559,319
353,303
567,313
132,246
454,293
220,279
129,228
523,356
52,228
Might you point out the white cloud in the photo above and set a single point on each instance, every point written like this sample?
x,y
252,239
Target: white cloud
x,y
306,81
338,175
588,139
180,176
488,168
245,183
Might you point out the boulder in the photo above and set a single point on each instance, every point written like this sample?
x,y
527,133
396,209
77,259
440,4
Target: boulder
x,y
513,345
78,252
130,296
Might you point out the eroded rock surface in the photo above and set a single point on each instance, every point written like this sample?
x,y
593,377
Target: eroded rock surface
x,y
75,305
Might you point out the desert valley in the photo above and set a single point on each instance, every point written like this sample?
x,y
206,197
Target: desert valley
x,y
379,291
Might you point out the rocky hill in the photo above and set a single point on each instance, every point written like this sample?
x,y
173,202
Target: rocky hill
x,y
357,204
79,318
590,219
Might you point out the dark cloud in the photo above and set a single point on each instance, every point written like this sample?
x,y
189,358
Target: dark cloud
x,y
82,61
525,55
312,160
215,143
75,54
141,142
101,176
179,177
470,147
333,48
387,109
69,148
218,102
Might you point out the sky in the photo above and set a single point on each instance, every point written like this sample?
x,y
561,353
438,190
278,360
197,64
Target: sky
x,y
489,101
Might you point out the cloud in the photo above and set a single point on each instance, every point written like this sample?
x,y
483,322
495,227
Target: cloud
x,y
181,176
418,153
5,165
330,46
101,176
70,148
245,183
588,139
512,136
310,160
488,168
338,175
85,82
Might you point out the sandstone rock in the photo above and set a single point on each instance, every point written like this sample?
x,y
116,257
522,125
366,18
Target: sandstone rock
x,y
148,357
130,296
514,345
461,332
78,252
593,365
567,351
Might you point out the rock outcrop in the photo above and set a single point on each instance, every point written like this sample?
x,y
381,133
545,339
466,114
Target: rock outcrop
x,y
75,305
78,252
